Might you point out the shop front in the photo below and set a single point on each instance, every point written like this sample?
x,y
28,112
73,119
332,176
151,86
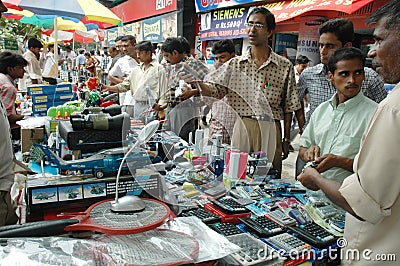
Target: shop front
x,y
297,23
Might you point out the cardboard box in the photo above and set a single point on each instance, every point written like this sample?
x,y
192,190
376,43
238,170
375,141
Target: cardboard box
x,y
30,136
61,97
48,196
42,89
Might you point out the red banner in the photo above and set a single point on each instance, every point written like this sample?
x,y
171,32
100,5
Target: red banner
x,y
138,9
288,9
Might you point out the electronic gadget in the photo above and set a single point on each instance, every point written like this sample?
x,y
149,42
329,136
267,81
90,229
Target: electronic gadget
x,y
225,229
325,210
281,218
130,203
337,225
261,226
97,218
313,234
287,244
253,251
205,216
228,205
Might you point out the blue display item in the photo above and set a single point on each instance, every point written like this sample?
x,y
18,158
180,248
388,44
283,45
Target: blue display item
x,y
101,164
62,97
43,107
42,89
218,165
389,87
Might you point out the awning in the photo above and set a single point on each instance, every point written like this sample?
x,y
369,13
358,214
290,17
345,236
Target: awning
x,y
288,9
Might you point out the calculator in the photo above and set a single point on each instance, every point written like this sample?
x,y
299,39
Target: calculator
x,y
253,251
314,234
261,226
281,218
288,245
205,216
225,229
228,205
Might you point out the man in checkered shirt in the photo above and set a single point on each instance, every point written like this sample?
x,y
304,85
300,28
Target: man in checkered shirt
x,y
334,34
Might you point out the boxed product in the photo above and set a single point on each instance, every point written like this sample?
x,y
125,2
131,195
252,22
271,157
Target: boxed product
x,y
42,89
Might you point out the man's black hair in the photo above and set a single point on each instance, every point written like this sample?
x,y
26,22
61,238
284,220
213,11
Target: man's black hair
x,y
302,59
170,44
185,45
8,59
118,38
223,46
269,17
341,27
390,11
145,46
129,38
345,53
34,43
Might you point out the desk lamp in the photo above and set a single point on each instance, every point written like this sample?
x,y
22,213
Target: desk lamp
x,y
131,203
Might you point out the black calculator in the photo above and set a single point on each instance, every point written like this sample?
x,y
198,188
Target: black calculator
x,y
261,226
205,216
226,229
314,234
228,205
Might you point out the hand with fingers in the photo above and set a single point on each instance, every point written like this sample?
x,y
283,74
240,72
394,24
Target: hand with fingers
x,y
312,153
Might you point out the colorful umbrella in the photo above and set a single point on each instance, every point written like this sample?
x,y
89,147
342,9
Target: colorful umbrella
x,y
78,36
44,21
87,11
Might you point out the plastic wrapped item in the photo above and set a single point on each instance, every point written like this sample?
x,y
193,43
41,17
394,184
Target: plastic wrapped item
x,y
212,245
155,247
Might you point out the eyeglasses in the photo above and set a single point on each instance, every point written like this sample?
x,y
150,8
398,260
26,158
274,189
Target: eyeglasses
x,y
258,26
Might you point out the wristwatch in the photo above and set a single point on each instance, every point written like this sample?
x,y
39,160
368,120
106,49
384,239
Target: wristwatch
x,y
286,140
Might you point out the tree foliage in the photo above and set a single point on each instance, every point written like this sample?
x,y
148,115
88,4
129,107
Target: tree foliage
x,y
12,29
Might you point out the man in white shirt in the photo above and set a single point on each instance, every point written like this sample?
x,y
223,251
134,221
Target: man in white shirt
x,y
33,72
149,74
122,68
50,68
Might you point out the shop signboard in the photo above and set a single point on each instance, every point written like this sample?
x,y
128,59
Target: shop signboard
x,y
152,29
224,24
138,9
207,5
287,9
11,45
308,41
285,45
